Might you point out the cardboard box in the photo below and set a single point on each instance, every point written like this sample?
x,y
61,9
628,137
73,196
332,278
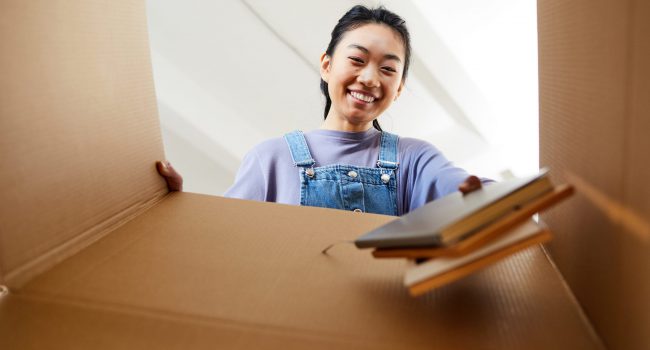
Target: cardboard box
x,y
594,125
96,254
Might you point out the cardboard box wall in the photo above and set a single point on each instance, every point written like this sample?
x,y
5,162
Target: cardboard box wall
x,y
594,132
97,255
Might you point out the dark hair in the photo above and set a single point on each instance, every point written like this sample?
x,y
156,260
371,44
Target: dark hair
x,y
355,18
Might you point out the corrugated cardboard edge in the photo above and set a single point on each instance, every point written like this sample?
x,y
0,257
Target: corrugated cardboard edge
x,y
572,297
34,267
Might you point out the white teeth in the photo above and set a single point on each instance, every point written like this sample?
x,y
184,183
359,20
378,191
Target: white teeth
x,y
362,97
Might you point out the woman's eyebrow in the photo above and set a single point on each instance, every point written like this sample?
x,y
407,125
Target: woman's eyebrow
x,y
388,56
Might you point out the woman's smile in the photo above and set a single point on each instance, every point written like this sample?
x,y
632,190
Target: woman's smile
x,y
361,97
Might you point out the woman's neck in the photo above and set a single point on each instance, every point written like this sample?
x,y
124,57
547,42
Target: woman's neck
x,y
341,124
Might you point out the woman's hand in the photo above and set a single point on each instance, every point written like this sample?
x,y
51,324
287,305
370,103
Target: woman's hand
x,y
173,178
470,184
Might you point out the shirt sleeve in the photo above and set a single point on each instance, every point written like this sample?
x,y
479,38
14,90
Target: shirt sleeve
x,y
250,181
432,176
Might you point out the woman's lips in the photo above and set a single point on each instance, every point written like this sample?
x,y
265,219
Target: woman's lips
x,y
361,97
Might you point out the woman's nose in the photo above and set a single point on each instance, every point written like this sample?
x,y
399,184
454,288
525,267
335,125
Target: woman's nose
x,y
369,77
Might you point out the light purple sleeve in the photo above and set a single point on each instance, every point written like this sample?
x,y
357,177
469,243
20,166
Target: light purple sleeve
x,y
250,181
430,175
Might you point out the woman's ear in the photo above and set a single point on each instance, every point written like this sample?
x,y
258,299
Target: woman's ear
x,y
325,62
399,90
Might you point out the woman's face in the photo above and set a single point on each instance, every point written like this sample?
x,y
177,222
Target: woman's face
x,y
364,76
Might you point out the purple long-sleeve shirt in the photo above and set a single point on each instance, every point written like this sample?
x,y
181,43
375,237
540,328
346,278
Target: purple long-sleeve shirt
x,y
267,172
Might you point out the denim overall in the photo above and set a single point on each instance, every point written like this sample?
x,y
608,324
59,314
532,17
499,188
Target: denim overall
x,y
347,187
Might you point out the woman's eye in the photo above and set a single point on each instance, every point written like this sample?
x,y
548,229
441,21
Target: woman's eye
x,y
356,59
389,69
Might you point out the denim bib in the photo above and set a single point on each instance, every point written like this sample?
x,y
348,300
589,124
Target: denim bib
x,y
347,187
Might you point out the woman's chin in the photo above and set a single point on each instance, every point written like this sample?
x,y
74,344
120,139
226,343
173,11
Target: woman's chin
x,y
356,116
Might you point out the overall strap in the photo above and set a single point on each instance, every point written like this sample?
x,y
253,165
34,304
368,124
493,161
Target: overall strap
x,y
299,150
388,151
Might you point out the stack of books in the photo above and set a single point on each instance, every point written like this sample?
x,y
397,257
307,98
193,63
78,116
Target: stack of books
x,y
457,235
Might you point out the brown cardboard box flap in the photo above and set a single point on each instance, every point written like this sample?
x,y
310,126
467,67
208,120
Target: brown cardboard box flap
x,y
594,65
124,266
254,270
79,129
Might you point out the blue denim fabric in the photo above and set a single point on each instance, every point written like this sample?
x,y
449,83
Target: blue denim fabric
x,y
333,186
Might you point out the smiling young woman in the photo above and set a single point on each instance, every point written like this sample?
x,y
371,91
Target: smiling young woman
x,y
350,163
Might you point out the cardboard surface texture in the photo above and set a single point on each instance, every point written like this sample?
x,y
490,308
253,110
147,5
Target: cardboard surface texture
x,y
79,128
195,259
594,106
97,255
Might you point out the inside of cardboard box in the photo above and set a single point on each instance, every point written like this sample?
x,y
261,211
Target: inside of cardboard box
x,y
594,83
194,258
101,259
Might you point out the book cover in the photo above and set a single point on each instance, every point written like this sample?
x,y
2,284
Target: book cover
x,y
442,221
